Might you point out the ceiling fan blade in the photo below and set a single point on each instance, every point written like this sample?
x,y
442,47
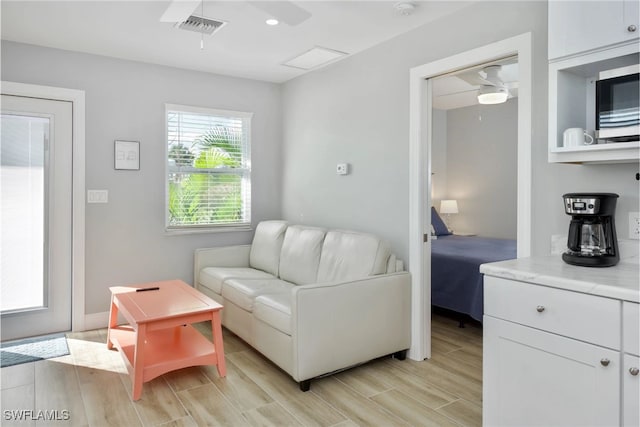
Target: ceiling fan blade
x,y
456,93
284,11
510,91
179,10
473,78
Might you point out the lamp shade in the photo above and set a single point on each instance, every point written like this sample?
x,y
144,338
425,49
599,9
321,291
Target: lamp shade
x,y
449,207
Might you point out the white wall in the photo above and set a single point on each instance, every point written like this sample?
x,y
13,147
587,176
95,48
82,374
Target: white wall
x,y
125,239
357,111
482,168
439,157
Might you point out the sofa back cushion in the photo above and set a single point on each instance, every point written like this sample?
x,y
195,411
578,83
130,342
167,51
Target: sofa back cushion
x,y
300,254
266,246
351,255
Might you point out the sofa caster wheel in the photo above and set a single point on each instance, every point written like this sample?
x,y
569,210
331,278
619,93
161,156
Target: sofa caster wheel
x,y
305,385
400,355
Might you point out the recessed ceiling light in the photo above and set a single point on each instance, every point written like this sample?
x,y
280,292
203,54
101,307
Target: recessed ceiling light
x,y
272,22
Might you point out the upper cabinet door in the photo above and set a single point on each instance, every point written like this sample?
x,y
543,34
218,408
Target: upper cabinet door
x,y
580,26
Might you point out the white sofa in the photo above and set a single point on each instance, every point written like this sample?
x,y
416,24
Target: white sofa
x,y
313,301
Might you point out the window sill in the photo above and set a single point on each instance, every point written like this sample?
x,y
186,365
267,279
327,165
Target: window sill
x,y
208,230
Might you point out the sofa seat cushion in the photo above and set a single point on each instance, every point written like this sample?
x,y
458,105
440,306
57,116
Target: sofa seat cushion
x,y
213,277
274,310
243,292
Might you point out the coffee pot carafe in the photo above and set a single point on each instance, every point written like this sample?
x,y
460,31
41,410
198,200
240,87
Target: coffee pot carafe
x,y
592,240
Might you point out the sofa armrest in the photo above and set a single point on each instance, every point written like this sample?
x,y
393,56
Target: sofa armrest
x,y
336,325
224,256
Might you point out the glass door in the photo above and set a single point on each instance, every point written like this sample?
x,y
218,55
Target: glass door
x,y
35,217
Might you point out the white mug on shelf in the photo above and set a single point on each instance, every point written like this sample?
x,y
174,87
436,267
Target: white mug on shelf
x,y
575,137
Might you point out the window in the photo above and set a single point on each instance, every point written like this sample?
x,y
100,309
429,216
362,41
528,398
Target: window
x,y
208,168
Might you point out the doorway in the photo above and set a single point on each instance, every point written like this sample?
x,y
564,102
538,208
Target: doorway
x,y
474,151
41,240
421,124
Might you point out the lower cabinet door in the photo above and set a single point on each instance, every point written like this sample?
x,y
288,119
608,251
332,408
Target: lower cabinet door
x,y
631,390
537,378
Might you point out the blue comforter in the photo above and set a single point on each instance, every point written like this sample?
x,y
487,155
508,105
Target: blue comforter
x,y
456,282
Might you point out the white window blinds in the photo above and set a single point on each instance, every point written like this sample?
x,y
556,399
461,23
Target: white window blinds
x,y
209,168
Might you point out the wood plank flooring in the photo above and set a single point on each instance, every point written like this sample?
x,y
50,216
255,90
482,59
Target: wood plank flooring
x,y
92,385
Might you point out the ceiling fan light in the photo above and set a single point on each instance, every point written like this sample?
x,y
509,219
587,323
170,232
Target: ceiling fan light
x,y
492,95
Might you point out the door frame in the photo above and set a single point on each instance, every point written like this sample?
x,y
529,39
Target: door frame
x,y
77,98
420,111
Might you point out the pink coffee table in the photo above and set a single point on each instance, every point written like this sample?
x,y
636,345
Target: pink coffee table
x,y
159,337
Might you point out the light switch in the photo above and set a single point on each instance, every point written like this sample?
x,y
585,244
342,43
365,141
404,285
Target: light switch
x,y
97,196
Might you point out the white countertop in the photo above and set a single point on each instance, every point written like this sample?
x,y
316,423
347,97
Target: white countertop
x,y
621,281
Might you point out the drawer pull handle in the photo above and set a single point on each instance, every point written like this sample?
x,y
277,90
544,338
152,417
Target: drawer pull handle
x,y
632,28
605,362
540,308
634,371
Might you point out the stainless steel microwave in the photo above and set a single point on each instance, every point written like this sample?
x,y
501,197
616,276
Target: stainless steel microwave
x,y
618,104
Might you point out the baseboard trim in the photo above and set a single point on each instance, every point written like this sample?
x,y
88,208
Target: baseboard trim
x,y
96,320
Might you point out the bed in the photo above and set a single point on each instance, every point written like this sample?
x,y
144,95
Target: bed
x,y
456,282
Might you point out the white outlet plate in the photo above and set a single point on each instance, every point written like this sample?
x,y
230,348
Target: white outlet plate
x,y
97,196
634,225
342,168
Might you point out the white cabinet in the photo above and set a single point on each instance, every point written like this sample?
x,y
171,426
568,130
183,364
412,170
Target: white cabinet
x,y
551,356
631,327
586,37
580,26
631,364
572,105
539,378
631,390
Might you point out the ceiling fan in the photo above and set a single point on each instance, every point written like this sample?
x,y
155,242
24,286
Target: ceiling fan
x,y
493,89
180,11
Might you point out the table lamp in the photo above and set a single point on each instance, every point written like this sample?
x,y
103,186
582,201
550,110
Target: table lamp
x,y
448,207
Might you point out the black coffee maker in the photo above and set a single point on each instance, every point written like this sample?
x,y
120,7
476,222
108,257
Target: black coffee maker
x,y
592,238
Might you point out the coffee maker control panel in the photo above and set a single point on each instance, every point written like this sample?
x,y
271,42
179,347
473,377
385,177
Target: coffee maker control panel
x,y
582,206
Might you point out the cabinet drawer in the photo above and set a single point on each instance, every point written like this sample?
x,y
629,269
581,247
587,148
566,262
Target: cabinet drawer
x,y
584,317
631,327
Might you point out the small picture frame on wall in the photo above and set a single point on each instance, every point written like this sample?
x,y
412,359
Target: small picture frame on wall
x,y
127,155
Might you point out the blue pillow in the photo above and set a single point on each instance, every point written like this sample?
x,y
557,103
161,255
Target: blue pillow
x,y
438,224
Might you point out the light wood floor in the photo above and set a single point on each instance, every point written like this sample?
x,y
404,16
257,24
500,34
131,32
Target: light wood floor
x,y
92,385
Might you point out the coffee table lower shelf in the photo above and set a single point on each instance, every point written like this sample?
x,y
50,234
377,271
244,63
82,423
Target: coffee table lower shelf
x,y
164,350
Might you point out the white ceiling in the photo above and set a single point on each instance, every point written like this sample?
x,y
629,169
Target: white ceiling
x,y
245,47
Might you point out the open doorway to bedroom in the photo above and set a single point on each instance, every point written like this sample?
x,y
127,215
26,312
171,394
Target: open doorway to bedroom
x,y
474,172
420,169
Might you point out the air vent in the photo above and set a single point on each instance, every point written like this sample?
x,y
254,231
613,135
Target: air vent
x,y
199,24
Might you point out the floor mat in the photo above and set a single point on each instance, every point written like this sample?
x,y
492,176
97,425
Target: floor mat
x,y
32,349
